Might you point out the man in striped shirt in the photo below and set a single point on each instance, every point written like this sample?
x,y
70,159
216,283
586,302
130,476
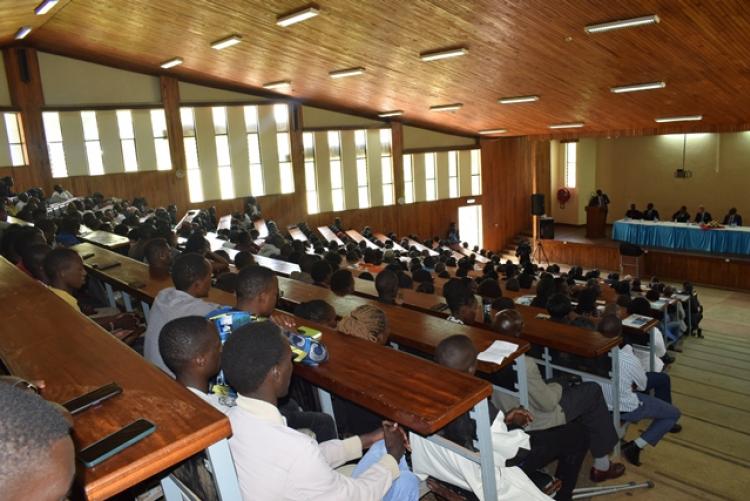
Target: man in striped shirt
x,y
636,403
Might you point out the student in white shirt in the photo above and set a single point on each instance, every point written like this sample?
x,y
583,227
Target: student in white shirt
x,y
59,194
635,401
191,349
191,274
275,462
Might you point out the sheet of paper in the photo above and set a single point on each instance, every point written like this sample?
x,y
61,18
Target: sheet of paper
x,y
497,352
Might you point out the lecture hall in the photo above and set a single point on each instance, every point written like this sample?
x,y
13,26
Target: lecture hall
x,y
353,250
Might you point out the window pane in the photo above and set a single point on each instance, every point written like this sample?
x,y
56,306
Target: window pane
x,y
409,192
254,148
337,197
476,186
191,155
334,144
453,187
452,161
386,170
430,190
57,160
226,183
310,183
129,158
309,143
429,166
364,197
90,129
361,172
336,181
407,168
125,124
94,155
251,118
281,116
385,141
163,157
17,155
571,150
257,184
188,122
312,202
222,151
159,123
287,177
195,185
219,114
52,126
388,194
11,126
282,139
360,141
476,162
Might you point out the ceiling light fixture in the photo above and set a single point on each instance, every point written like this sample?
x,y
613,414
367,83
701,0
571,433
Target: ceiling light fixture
x,y
297,16
447,107
685,118
394,113
226,42
491,132
638,87
436,55
518,99
625,23
45,6
279,84
349,72
171,63
574,125
23,32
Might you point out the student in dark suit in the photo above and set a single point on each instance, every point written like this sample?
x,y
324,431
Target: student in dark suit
x,y
651,214
703,216
681,216
633,213
733,219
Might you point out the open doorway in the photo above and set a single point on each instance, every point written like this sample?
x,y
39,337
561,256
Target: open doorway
x,y
470,225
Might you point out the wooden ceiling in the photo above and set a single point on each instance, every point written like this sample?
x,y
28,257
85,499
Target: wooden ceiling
x,y
701,49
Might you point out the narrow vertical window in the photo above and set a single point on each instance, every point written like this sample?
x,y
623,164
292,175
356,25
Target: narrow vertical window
x,y
286,173
53,132
571,164
91,143
476,172
386,166
195,183
161,140
408,180
16,142
311,182
127,140
363,185
223,154
337,177
257,183
453,174
430,177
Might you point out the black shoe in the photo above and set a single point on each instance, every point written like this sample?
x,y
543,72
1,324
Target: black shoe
x,y
676,429
700,333
668,359
632,453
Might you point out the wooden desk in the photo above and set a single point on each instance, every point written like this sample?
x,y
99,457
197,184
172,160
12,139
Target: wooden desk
x,y
384,239
73,355
260,225
468,253
457,255
329,235
422,248
357,237
278,266
296,233
105,239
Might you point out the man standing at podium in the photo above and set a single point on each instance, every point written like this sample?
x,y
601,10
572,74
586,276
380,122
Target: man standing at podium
x,y
600,200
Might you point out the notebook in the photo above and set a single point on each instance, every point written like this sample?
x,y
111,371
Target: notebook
x,y
497,352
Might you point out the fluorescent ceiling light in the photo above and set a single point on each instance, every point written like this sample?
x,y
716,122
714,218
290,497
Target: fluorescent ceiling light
x,y
618,25
685,118
44,7
394,113
518,99
349,72
279,84
297,16
446,107
638,87
226,42
436,55
23,32
171,63
490,132
574,125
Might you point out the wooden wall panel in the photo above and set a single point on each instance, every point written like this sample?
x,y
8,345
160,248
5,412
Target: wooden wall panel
x,y
603,257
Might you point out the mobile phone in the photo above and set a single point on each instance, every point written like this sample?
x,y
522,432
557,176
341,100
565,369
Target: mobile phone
x,y
107,266
92,398
105,448
86,256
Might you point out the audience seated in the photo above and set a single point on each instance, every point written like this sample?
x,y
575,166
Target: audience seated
x,y
317,311
342,282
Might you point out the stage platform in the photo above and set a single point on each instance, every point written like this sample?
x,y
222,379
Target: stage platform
x,y
571,247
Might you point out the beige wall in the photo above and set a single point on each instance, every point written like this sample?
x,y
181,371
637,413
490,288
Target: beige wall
x,y
641,170
574,211
191,93
417,138
320,118
4,92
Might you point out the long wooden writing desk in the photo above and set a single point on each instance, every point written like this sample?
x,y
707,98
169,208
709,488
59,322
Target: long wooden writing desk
x,y
421,248
296,233
358,237
382,238
52,341
105,239
329,235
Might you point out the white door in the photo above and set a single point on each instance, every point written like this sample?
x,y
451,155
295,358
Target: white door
x,y
470,224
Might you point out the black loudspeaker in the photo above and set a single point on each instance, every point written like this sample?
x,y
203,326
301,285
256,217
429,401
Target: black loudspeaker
x,y
547,228
23,66
537,204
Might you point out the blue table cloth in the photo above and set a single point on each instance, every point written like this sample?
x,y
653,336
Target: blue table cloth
x,y
683,236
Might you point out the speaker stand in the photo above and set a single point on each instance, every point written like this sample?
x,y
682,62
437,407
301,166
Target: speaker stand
x,y
539,255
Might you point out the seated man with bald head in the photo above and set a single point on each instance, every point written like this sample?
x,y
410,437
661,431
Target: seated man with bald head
x,y
554,404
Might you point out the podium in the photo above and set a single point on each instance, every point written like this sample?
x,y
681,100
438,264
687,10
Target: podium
x,y
596,222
